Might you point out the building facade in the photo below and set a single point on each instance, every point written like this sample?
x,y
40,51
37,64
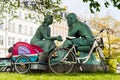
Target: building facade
x,y
12,31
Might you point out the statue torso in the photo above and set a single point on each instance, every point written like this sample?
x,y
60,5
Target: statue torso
x,y
41,32
79,29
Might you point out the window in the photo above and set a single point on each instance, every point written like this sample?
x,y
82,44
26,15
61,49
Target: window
x,y
9,26
20,28
61,14
26,3
19,39
1,40
31,30
65,15
20,14
11,41
1,26
13,27
25,40
26,29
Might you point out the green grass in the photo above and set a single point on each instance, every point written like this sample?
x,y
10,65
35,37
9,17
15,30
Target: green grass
x,y
49,76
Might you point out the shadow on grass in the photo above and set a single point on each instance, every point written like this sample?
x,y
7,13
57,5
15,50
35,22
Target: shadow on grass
x,y
72,74
100,73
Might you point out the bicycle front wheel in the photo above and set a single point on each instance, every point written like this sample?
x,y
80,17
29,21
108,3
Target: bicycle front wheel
x,y
103,63
58,66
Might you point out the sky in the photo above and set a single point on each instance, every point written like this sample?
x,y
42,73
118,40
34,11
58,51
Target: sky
x,y
82,9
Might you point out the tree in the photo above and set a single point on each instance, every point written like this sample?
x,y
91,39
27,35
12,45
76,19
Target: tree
x,y
46,6
39,6
111,37
94,5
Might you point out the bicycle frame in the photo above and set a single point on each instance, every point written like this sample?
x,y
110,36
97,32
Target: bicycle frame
x,y
74,52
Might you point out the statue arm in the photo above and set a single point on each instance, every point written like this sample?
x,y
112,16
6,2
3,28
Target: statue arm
x,y
72,32
59,38
47,36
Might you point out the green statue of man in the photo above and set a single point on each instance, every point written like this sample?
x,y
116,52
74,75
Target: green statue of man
x,y
43,38
82,34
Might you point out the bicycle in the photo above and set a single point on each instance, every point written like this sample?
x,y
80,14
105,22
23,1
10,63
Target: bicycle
x,y
62,60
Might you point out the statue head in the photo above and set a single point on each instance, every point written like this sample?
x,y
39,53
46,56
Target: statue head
x,y
71,18
48,19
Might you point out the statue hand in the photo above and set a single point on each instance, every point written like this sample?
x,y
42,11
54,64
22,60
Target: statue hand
x,y
69,37
59,38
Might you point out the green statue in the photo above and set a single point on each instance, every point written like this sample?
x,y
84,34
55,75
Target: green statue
x,y
82,34
43,38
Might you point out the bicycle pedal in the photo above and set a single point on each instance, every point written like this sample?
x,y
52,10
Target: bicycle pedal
x,y
54,56
81,69
77,55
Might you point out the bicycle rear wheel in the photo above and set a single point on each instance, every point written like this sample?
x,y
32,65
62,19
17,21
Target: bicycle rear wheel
x,y
58,66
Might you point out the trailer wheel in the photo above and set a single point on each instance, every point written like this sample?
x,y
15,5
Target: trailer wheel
x,y
22,64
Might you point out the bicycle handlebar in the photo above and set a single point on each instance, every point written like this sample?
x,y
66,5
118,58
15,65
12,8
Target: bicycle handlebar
x,y
100,32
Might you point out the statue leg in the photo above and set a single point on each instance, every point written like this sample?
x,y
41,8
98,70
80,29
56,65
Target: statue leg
x,y
67,43
47,46
43,57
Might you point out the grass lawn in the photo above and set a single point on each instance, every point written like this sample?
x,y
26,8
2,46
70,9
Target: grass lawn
x,y
50,76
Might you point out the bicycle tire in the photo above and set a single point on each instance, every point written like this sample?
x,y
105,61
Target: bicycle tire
x,y
56,66
103,63
22,64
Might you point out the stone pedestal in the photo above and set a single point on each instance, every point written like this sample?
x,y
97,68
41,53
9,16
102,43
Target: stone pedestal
x,y
85,68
